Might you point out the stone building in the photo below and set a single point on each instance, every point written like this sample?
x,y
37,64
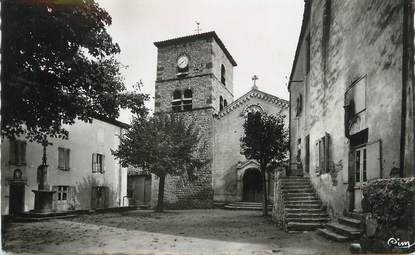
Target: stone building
x,y
81,170
351,97
195,79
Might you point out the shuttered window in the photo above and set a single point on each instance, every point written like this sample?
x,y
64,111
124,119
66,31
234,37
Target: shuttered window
x,y
63,158
98,163
17,152
323,159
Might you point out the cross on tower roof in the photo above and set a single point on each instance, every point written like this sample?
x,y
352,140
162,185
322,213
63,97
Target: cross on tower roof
x,y
254,79
198,29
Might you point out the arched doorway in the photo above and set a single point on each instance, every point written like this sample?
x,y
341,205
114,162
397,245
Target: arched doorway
x,y
252,186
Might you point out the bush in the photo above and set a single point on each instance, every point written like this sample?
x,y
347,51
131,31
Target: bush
x,y
389,207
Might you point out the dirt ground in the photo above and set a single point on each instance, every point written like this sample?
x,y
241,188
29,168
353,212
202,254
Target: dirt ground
x,y
174,232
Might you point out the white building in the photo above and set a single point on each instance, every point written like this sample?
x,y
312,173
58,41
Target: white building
x,y
82,170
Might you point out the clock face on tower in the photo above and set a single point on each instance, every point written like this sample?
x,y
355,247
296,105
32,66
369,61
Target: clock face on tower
x,y
182,61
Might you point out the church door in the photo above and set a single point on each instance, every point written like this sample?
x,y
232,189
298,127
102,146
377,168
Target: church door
x,y
252,186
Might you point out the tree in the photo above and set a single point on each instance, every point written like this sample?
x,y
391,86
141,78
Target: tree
x,y
266,141
163,145
58,65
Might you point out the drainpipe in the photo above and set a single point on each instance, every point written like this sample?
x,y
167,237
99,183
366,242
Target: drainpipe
x,y
406,73
120,177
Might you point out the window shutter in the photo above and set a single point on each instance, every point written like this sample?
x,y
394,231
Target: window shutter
x,y
103,164
68,152
55,197
373,160
12,153
61,162
22,152
326,153
94,162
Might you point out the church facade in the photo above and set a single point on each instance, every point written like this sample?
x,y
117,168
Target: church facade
x,y
195,79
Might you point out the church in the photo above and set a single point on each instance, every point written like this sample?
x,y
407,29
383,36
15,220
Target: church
x,y
195,78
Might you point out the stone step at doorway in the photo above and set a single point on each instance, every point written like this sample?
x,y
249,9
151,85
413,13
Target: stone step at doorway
x,y
346,228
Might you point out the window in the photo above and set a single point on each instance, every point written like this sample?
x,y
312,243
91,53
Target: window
x,y
225,103
182,102
62,193
177,100
17,152
322,146
220,103
63,158
355,107
299,106
98,163
187,100
360,165
326,31
308,54
222,75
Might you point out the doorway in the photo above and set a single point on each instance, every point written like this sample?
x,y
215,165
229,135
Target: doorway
x,y
16,199
99,197
252,186
139,189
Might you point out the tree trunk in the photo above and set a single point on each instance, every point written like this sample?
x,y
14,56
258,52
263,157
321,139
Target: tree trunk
x,y
160,199
264,188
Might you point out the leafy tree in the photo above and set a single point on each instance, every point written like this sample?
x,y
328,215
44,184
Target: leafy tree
x,y
58,65
163,145
266,141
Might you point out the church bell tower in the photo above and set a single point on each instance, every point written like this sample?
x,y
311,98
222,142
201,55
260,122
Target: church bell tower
x,y
195,79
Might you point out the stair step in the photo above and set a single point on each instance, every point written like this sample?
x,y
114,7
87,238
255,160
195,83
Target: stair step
x,y
296,188
304,198
302,206
332,235
242,208
304,210
299,191
308,220
354,223
307,215
301,202
350,232
354,215
303,226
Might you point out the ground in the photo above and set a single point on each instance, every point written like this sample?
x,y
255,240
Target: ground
x,y
173,232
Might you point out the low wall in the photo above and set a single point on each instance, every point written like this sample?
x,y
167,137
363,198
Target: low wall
x,y
278,210
389,216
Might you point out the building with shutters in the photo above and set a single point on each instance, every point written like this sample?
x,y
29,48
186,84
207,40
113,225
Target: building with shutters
x,y
81,170
351,97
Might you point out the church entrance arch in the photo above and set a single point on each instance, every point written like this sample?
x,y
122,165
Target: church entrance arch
x,y
252,186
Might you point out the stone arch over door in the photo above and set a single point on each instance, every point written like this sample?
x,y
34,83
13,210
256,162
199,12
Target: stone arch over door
x,y
241,169
252,185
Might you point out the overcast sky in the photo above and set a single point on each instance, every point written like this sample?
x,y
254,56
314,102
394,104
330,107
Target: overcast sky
x,y
261,35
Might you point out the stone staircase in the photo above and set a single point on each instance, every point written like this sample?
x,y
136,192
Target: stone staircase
x,y
247,206
347,228
302,207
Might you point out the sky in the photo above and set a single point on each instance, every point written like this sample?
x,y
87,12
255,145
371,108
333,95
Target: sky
x,y
261,35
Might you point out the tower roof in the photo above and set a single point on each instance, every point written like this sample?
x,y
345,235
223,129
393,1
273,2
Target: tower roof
x,y
194,37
